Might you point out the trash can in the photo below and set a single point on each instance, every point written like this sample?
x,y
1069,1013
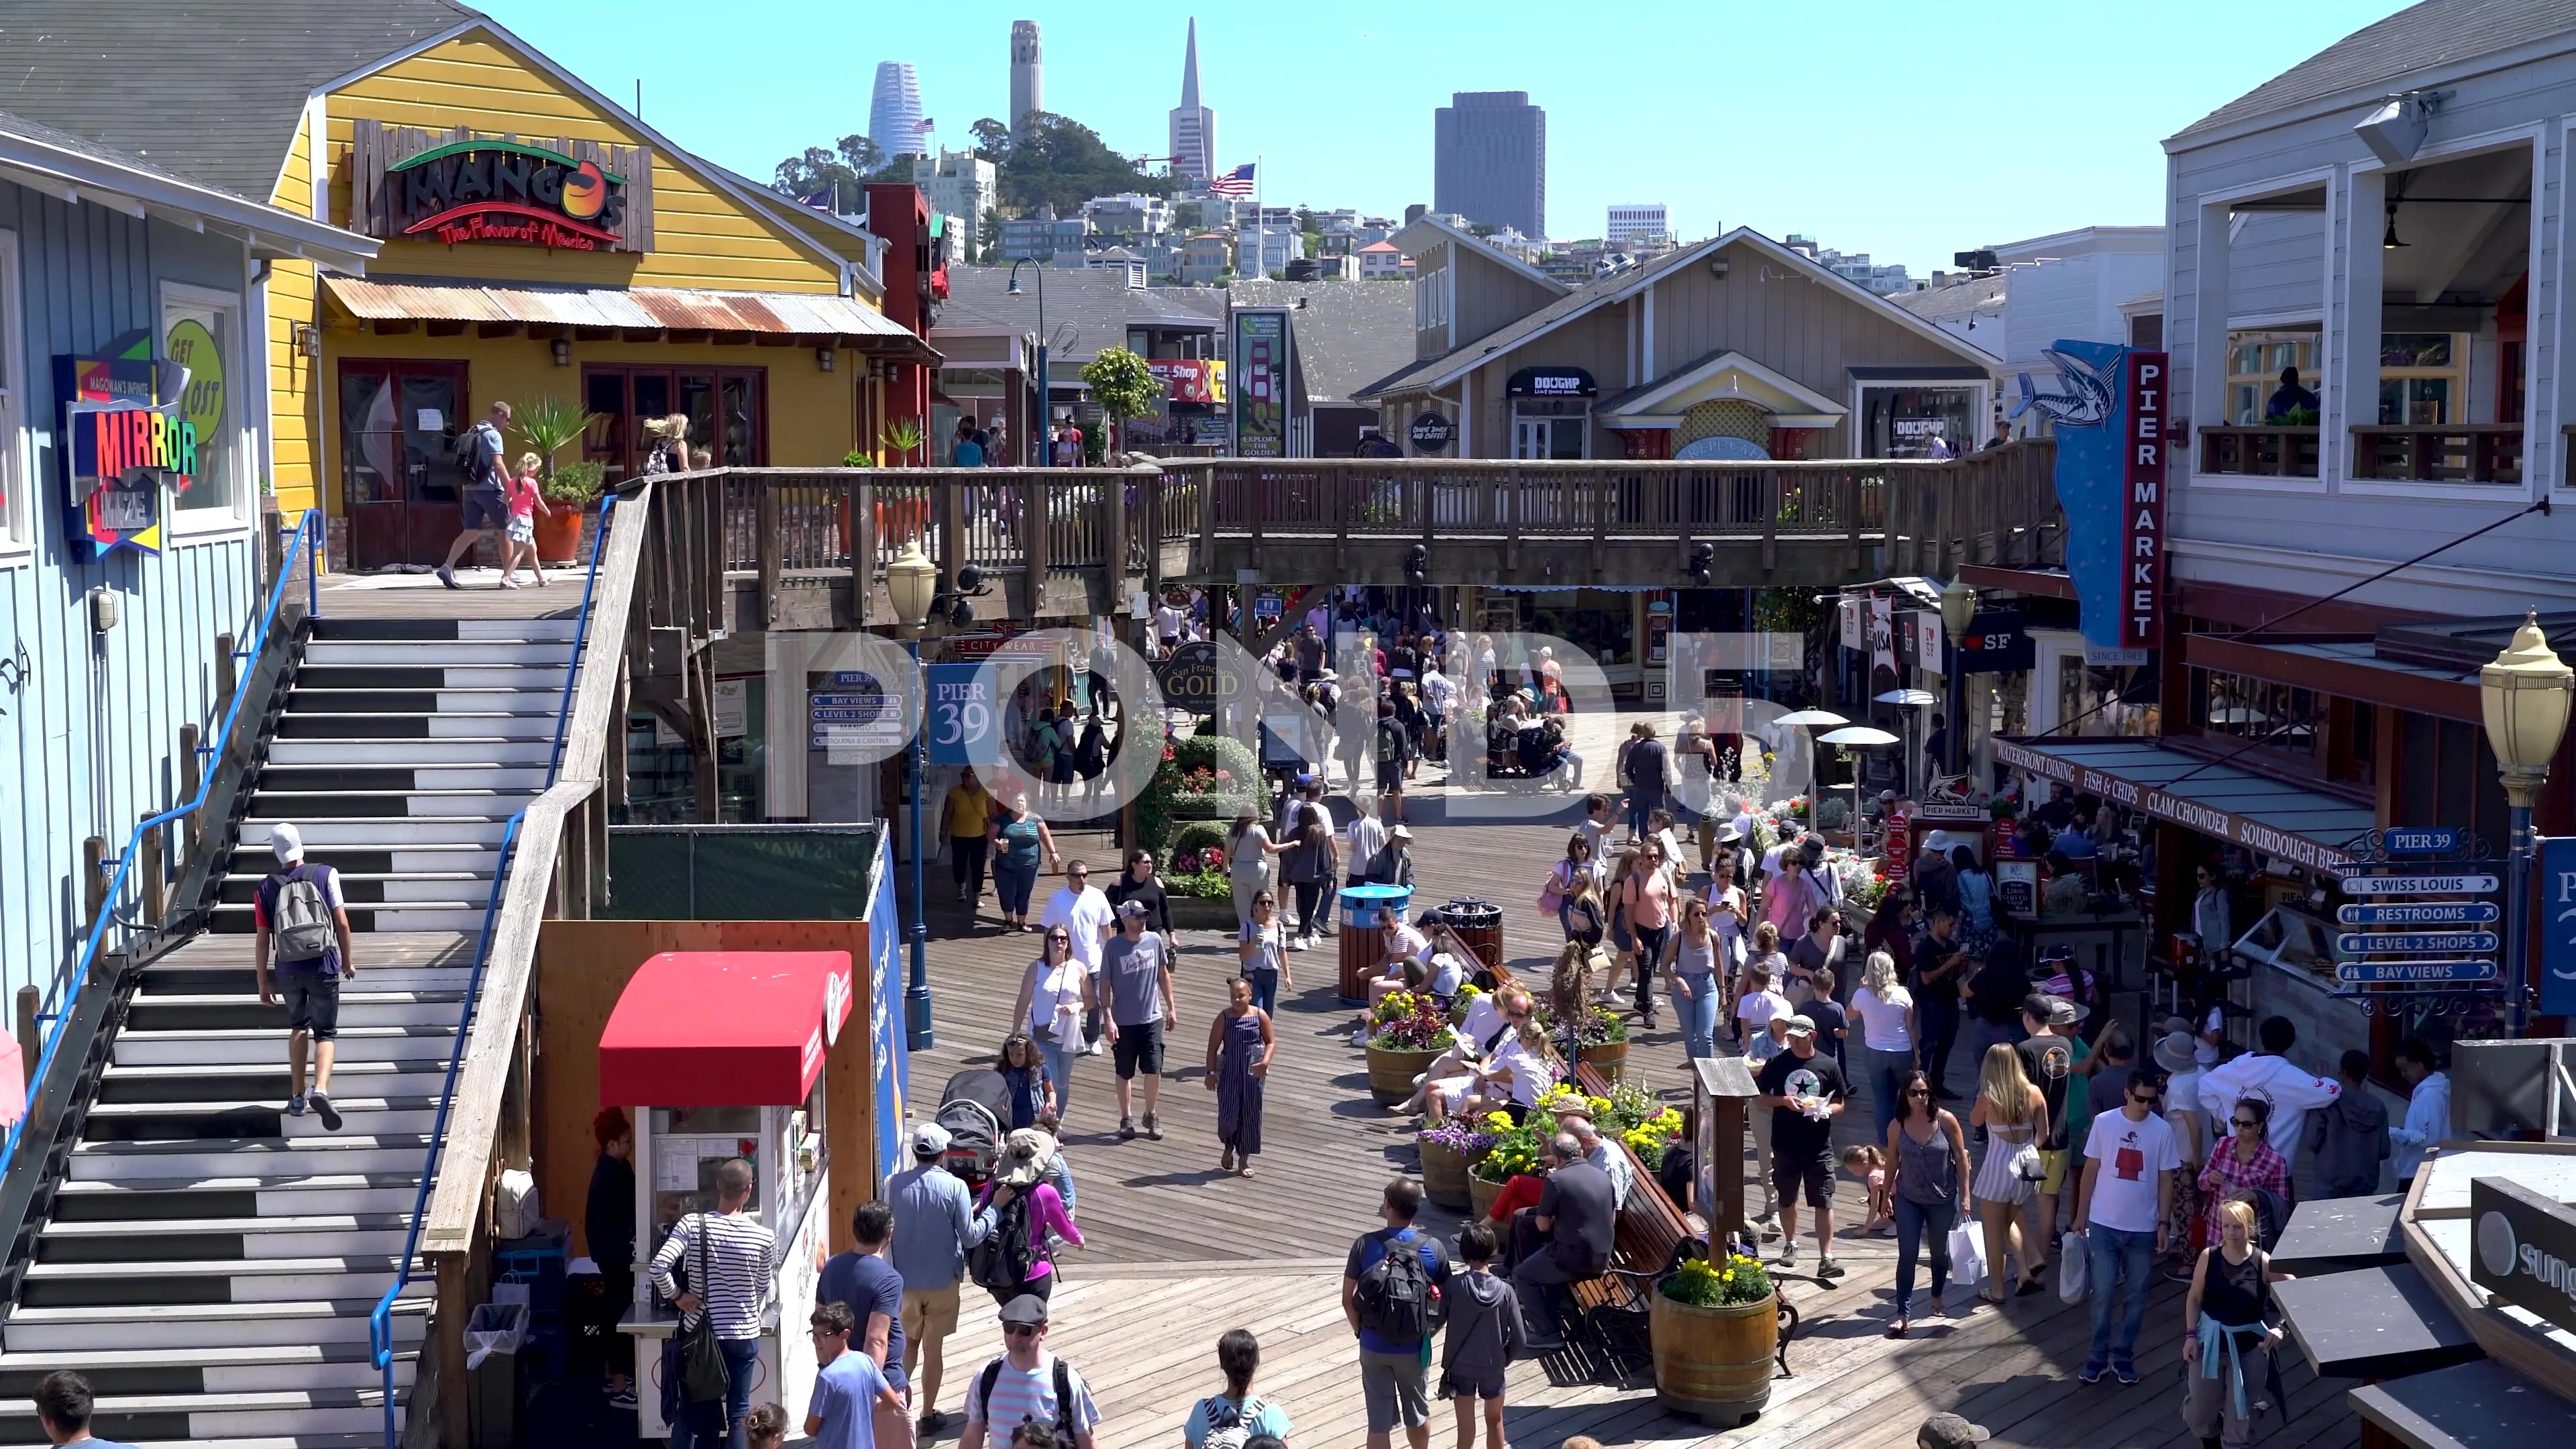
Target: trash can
x,y
1479,927
493,1336
1362,947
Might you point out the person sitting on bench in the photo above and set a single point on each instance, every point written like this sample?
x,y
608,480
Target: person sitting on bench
x,y
1565,1239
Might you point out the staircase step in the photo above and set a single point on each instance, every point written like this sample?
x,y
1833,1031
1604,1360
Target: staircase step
x,y
337,628
356,1044
495,752
359,1006
258,1081
153,1198
451,725
375,890
339,1235
378,858
265,1118
250,1368
393,673
400,779
324,833
343,1151
164,1418
440,653
204,1280
364,919
312,805
91,1328
181,976
541,695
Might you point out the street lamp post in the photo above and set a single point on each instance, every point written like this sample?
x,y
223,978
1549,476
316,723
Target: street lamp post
x,y
1046,383
1958,611
2524,696
912,581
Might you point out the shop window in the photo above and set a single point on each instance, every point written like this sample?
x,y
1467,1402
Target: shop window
x,y
2254,364
2286,721
201,330
1551,428
2447,776
727,408
17,519
1907,422
2423,379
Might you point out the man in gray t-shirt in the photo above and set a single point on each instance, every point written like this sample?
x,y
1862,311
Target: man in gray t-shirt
x,y
1136,972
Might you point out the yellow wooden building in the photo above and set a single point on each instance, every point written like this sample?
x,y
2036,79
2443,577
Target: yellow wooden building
x,y
540,242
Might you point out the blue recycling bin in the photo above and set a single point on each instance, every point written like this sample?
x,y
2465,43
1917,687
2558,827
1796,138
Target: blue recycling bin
x,y
1361,949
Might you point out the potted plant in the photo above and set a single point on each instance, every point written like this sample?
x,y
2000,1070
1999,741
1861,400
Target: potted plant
x,y
1198,889
551,425
1715,1327
1601,1039
1411,1031
1448,1151
1514,1152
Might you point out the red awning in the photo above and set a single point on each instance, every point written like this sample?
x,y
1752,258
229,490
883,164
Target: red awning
x,y
724,1029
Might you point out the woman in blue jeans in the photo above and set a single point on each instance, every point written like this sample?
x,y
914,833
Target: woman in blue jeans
x,y
1019,837
1690,971
1927,1155
1262,944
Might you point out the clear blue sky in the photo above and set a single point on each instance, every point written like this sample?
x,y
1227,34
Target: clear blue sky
x,y
1908,131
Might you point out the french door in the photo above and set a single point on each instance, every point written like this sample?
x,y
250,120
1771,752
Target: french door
x,y
400,487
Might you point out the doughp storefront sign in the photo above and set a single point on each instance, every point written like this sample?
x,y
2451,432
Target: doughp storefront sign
x,y
2523,1248
457,188
2205,818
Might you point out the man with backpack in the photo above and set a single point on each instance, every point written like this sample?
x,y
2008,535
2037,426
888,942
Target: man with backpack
x,y
1386,1295
304,930
1028,1385
482,474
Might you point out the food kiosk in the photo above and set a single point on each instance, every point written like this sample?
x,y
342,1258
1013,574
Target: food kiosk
x,y
718,1055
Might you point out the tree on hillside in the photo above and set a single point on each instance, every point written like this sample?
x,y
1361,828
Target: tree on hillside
x,y
847,168
1056,161
992,140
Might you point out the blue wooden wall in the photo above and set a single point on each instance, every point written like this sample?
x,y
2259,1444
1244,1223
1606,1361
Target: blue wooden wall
x,y
89,737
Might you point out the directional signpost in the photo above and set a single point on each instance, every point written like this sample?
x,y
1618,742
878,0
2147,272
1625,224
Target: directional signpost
x,y
2436,948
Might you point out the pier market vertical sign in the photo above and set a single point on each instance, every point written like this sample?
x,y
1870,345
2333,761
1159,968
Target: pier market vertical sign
x,y
458,188
2112,411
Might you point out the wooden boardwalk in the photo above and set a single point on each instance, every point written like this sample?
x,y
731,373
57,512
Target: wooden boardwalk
x,y
421,596
1179,1254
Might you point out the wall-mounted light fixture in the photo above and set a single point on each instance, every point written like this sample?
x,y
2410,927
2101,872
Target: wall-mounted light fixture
x,y
823,357
308,339
563,352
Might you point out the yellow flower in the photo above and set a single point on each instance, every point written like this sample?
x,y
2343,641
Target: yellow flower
x,y
1726,1277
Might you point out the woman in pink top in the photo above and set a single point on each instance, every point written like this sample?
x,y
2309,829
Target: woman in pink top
x,y
1648,895
1020,1178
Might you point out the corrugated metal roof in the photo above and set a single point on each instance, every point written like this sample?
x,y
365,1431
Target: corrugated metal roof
x,y
808,314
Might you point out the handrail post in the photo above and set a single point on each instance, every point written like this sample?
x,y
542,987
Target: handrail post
x,y
863,550
766,530
1112,504
1033,543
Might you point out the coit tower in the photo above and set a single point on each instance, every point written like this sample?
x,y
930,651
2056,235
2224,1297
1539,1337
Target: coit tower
x,y
1028,75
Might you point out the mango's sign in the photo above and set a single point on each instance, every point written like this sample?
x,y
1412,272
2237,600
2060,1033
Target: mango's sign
x,y
457,188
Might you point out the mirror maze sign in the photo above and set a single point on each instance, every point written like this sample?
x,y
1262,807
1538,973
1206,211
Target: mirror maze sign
x,y
458,188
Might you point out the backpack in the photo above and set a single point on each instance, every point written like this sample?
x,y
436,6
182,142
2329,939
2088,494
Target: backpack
x,y
1394,1297
1225,1420
1042,742
476,462
301,928
1063,1400
1004,1258
1390,741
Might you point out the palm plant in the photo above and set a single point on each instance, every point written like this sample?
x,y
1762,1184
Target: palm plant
x,y
902,437
551,425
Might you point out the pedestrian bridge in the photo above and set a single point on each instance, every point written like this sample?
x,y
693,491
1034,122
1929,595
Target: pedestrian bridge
x,y
807,548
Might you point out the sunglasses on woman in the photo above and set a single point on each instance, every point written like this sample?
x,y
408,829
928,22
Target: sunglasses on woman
x,y
1059,939
2246,1124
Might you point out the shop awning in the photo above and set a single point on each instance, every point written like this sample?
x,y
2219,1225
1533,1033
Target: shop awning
x,y
812,319
2307,826
723,1028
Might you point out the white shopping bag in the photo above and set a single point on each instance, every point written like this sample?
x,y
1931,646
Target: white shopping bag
x,y
1967,1255
2072,1259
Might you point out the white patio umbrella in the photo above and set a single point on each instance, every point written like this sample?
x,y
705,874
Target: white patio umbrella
x,y
1912,699
1859,736
1810,719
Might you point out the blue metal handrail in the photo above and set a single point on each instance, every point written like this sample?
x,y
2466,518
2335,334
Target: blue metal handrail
x,y
581,637
306,528
380,1322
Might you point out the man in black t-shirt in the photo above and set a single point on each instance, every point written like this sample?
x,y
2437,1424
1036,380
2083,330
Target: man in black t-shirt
x,y
1992,1000
1565,1239
1941,963
1805,1091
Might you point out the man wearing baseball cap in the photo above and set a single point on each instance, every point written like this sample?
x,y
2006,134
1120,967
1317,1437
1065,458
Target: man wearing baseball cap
x,y
301,922
1805,1090
1136,976
934,1226
1027,1384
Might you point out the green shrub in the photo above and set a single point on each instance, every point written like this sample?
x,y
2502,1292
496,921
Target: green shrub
x,y
1199,836
1218,752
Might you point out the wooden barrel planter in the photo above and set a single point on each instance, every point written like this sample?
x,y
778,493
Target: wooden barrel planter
x,y
1481,1194
1610,1059
1444,1175
1391,1072
1714,1363
1201,913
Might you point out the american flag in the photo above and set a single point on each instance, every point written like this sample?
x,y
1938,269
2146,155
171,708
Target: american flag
x,y
1237,182
820,200
922,126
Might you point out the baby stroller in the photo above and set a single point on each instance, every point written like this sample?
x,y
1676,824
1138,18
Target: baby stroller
x,y
972,1109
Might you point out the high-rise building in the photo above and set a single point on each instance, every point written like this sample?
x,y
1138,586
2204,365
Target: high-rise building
x,y
894,111
1193,136
1628,222
1028,74
1489,160
959,184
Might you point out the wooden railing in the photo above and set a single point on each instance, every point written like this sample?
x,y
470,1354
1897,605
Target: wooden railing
x,y
2268,452
780,522
2455,453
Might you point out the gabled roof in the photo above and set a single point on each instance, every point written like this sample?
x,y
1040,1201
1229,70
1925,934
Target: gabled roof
x,y
1619,286
1487,250
2419,38
1774,390
1347,333
64,165
109,71
1087,308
